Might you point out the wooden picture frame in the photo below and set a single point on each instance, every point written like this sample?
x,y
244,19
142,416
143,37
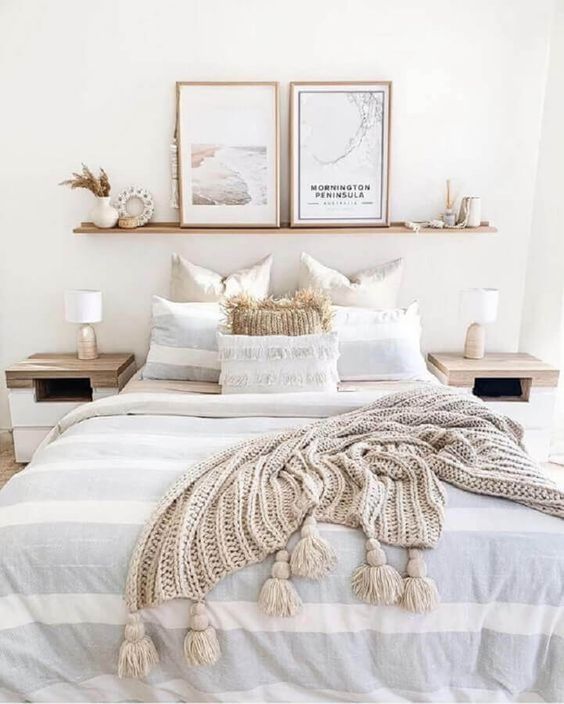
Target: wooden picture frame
x,y
228,137
332,182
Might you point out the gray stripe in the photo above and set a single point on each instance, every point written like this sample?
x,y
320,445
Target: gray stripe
x,y
158,370
92,484
468,567
349,662
194,332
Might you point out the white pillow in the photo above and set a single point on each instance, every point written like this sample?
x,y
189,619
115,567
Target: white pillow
x,y
380,345
278,363
183,341
190,282
373,288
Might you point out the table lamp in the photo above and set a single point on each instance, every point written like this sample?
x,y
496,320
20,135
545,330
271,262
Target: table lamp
x,y
479,307
84,307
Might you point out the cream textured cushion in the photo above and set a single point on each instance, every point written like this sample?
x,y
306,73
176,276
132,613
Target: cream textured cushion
x,y
278,363
380,345
306,313
183,341
373,288
190,282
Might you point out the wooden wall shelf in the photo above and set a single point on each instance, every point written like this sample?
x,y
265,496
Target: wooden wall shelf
x,y
173,228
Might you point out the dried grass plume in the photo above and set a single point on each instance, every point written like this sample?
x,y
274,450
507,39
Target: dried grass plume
x,y
99,186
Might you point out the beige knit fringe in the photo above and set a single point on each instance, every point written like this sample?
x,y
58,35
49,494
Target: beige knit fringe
x,y
306,313
378,468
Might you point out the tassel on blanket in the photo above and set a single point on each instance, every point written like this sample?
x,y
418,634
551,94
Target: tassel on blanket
x,y
313,557
278,596
137,654
376,582
201,646
420,592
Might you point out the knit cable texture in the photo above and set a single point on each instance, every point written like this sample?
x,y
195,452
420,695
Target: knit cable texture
x,y
378,468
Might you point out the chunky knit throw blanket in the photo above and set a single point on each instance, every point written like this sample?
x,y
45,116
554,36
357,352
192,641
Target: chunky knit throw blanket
x,y
379,469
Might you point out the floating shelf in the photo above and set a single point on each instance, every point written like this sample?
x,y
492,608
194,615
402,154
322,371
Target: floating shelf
x,y
173,228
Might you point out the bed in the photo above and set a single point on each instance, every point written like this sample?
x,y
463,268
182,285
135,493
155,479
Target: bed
x,y
69,522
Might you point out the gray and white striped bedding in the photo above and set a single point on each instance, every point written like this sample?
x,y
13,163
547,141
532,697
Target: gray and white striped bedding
x,y
69,522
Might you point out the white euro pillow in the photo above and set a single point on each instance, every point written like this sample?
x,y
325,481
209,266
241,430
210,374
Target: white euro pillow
x,y
190,282
278,363
377,287
380,345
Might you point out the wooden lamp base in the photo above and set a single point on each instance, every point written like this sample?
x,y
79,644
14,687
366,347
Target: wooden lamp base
x,y
474,346
86,343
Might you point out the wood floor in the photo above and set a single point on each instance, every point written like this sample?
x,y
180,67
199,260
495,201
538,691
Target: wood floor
x,y
8,465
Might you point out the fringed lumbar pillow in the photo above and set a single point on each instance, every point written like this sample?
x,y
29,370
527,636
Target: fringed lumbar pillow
x,y
306,313
278,363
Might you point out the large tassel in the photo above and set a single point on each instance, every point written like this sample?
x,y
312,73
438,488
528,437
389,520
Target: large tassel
x,y
278,596
201,646
313,557
420,592
137,653
375,581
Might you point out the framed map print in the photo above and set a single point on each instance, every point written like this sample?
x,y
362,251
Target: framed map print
x,y
339,153
228,154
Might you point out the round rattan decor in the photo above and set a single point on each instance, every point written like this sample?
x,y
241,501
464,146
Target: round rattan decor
x,y
143,195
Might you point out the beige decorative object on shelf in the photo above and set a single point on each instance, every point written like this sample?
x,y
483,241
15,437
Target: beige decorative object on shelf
x,y
470,212
84,307
478,307
128,222
140,194
449,216
103,215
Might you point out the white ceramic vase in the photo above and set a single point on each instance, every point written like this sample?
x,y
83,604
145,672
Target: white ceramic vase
x,y
104,214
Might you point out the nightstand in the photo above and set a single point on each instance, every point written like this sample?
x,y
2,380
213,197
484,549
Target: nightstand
x,y
518,385
45,387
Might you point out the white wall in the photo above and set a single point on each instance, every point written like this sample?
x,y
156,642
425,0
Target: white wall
x,y
94,82
543,310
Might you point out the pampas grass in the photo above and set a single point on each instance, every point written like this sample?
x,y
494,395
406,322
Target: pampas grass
x,y
99,186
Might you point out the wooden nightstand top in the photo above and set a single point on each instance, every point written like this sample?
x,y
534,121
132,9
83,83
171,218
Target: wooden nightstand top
x,y
455,370
108,370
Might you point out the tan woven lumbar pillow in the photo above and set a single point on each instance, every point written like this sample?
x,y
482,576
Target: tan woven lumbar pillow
x,y
306,313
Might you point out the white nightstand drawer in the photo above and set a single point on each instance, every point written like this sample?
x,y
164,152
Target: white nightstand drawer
x,y
537,412
27,412
26,441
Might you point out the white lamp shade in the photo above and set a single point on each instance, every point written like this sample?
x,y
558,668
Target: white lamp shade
x,y
83,306
479,305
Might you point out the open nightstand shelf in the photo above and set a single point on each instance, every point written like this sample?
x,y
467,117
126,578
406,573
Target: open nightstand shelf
x,y
173,228
45,387
517,385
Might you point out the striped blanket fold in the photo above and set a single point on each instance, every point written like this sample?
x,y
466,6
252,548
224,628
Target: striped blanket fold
x,y
378,468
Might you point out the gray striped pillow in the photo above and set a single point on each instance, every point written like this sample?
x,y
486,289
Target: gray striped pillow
x,y
183,341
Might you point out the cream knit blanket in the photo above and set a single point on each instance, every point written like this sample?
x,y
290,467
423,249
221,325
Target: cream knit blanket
x,y
378,468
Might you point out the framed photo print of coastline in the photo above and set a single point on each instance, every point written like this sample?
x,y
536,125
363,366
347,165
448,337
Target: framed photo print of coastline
x,y
228,154
339,153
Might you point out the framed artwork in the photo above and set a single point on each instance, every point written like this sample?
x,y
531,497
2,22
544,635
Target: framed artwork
x,y
228,154
340,153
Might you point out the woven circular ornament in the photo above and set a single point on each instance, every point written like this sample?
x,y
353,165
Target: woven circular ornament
x,y
142,194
